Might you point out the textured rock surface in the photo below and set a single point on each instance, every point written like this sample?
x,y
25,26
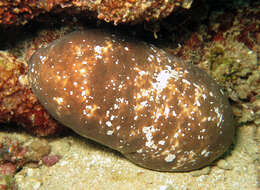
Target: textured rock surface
x,y
116,11
17,103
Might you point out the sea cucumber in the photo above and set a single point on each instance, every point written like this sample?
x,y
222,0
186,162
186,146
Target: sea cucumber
x,y
158,111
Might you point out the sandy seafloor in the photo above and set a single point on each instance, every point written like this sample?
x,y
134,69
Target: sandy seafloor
x,y
87,165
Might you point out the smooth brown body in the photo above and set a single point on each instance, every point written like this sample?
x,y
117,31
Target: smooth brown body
x,y
158,111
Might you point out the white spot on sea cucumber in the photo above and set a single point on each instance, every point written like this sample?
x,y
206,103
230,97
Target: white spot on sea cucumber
x,y
196,85
162,80
219,116
140,150
88,107
144,103
98,49
170,157
120,100
59,100
161,142
204,152
166,111
198,103
107,113
110,132
185,81
82,71
204,96
116,106
203,130
200,137
141,73
112,117
149,136
83,93
109,124
222,92
150,58
42,58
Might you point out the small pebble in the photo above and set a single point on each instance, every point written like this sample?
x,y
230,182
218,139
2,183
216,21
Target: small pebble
x,y
223,164
50,160
204,171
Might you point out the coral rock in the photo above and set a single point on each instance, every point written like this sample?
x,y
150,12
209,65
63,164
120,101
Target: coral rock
x,y
19,12
17,102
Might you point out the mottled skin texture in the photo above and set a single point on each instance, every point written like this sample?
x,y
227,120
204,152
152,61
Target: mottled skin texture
x,y
158,111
